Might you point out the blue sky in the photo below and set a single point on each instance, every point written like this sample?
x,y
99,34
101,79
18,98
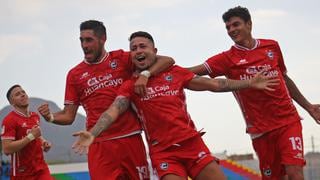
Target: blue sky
x,y
39,43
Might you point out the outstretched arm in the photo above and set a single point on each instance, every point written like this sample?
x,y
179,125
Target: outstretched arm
x,y
162,63
259,81
119,105
199,70
312,109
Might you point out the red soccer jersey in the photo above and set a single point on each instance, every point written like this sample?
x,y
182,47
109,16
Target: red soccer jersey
x,y
94,86
262,110
163,110
29,159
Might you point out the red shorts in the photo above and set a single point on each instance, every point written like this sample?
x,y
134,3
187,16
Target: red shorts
x,y
280,147
184,159
123,158
43,174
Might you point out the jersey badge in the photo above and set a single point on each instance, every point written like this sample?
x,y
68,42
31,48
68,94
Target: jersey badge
x,y
267,172
114,64
168,77
270,54
164,166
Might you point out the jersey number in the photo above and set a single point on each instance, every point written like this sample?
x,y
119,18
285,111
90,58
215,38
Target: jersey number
x,y
296,143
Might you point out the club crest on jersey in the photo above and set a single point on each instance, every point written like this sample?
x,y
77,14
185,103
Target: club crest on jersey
x,y
168,77
270,54
113,64
267,172
164,166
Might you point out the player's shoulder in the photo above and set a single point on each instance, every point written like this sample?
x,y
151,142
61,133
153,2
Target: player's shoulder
x,y
77,67
9,117
119,53
266,42
178,69
34,114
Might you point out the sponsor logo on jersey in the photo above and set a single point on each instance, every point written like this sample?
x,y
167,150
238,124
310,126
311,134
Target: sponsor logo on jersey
x,y
84,75
101,81
164,166
201,154
242,61
113,63
252,70
270,54
24,124
156,91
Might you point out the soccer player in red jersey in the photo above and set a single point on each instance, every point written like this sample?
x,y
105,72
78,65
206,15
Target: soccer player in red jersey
x,y
93,83
176,147
22,140
271,118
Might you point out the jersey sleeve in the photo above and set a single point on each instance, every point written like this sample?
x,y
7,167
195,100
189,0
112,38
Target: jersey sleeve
x,y
282,66
186,75
216,65
71,96
126,89
8,130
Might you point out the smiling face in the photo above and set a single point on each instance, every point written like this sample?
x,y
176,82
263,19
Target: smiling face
x,y
19,98
92,45
239,30
143,52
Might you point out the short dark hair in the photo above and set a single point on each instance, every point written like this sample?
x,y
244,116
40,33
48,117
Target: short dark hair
x,y
97,26
238,11
10,90
141,34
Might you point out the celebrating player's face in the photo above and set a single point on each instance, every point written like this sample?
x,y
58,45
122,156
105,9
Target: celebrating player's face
x,y
92,45
19,97
238,29
143,52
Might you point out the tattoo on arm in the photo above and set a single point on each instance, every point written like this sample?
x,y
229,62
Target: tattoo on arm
x,y
122,103
231,85
103,123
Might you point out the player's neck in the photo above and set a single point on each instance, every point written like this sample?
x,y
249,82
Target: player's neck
x,y
104,55
248,43
22,110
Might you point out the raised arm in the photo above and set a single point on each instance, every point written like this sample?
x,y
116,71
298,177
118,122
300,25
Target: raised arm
x,y
312,109
259,81
119,105
64,117
162,63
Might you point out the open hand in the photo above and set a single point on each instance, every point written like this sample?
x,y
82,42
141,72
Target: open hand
x,y
81,145
261,81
